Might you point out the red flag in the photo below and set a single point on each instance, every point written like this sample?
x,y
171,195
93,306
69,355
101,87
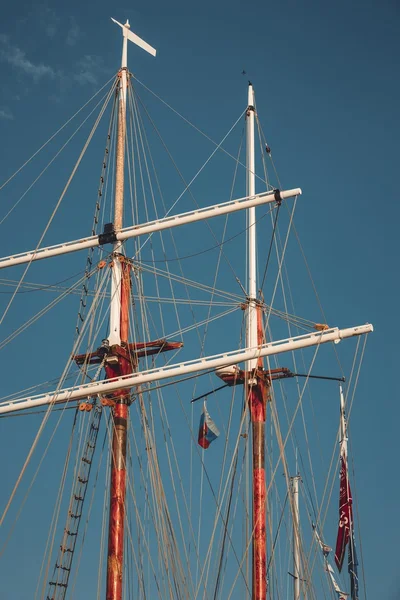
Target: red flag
x,y
345,510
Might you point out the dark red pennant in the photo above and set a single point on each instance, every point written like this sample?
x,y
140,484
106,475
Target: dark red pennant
x,y
345,514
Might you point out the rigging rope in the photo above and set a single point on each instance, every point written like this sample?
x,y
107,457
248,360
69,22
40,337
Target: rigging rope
x,y
55,134
57,205
191,124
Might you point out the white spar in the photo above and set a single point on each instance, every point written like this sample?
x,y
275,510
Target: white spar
x,y
145,228
178,370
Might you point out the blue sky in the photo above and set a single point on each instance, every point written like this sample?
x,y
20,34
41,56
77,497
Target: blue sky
x,y
326,81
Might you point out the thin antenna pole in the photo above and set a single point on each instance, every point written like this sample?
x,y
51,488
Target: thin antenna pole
x,y
296,537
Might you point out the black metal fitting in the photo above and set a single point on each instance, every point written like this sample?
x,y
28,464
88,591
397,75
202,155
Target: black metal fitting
x,y
278,197
108,236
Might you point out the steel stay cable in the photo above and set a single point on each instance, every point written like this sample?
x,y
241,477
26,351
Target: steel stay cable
x,y
320,522
240,480
187,185
57,504
57,508
355,495
260,133
164,417
56,512
284,463
49,164
212,492
271,557
29,489
40,430
40,313
106,497
143,135
191,124
91,251
129,486
160,497
169,528
303,253
180,479
57,206
308,500
222,492
153,124
269,249
149,444
311,524
72,587
38,287
134,103
282,449
54,134
190,282
278,277
219,501
139,155
225,529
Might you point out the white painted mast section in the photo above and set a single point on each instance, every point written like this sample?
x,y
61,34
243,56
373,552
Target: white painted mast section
x,y
115,308
251,332
146,228
177,370
343,429
296,537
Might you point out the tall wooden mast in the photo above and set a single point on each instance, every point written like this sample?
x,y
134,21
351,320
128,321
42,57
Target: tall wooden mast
x,y
116,364
256,388
119,360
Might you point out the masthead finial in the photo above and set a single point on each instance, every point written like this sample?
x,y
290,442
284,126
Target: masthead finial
x,y
134,38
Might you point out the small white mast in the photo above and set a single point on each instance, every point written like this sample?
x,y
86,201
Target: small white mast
x,y
296,538
251,333
115,308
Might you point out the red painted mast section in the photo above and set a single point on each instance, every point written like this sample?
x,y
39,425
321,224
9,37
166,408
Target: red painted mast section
x,y
122,366
258,394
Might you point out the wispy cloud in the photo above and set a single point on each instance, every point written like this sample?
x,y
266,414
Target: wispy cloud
x,y
5,113
73,32
89,68
18,59
50,21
